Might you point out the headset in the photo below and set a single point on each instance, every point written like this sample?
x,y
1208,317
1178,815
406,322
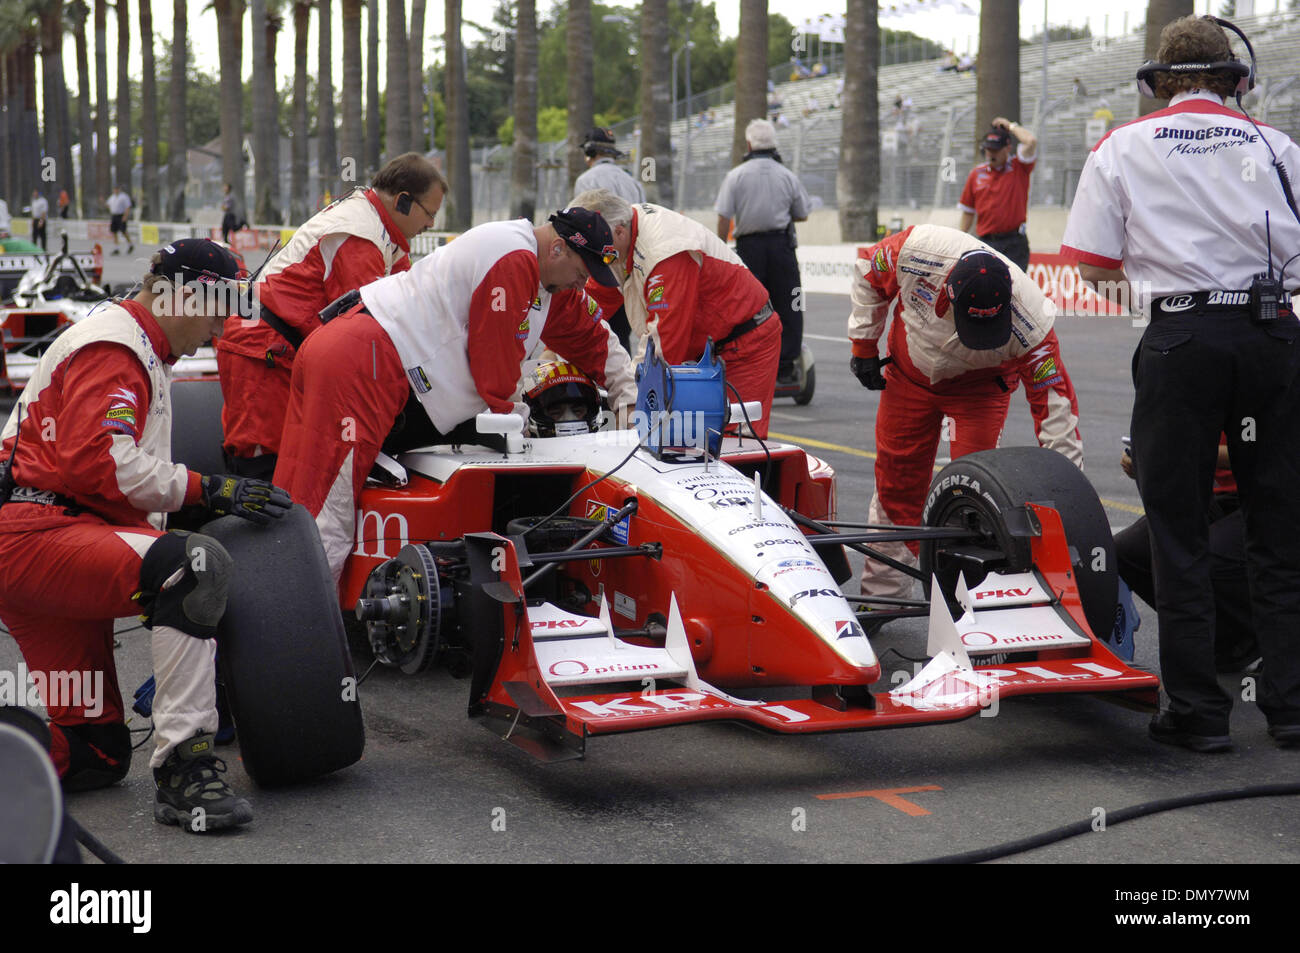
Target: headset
x,y
403,205
1245,74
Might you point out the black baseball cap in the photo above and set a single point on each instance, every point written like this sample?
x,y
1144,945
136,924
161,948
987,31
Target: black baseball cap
x,y
199,260
979,287
591,237
996,138
601,140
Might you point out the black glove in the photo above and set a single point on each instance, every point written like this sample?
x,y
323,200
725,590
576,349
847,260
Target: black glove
x,y
253,500
867,370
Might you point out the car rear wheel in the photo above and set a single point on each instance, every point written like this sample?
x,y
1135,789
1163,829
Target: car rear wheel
x,y
980,490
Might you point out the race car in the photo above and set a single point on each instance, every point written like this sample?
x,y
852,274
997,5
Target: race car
x,y
606,581
52,295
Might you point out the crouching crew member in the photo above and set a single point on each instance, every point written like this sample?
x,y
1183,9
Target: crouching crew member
x,y
86,483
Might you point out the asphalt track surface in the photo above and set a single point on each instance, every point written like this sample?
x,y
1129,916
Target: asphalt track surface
x,y
435,787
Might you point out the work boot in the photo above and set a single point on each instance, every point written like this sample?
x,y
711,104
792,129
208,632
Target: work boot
x,y
1166,729
192,791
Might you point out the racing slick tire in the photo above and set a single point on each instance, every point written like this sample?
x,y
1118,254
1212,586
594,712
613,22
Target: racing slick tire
x,y
283,654
1009,477
196,425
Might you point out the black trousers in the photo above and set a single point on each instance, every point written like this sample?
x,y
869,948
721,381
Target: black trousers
x,y
1197,374
772,261
1234,635
38,232
1015,245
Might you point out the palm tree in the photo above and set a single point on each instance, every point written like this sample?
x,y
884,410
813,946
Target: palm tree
x,y
22,152
1159,12
77,14
299,198
327,151
997,82
58,143
580,82
103,162
751,73
460,212
265,22
149,207
523,176
857,183
372,87
415,75
125,146
656,103
397,110
230,43
353,143
177,139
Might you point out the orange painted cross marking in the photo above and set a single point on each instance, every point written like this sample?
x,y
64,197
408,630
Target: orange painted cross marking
x,y
890,797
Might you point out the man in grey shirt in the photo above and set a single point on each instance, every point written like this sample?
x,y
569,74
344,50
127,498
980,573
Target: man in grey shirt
x,y
766,199
603,173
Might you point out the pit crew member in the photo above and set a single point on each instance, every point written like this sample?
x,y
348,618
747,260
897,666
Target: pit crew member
x,y
680,281
362,237
82,536
967,328
765,199
1163,203
996,195
450,335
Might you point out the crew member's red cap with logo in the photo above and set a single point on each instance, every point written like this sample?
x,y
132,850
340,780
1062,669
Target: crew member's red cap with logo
x,y
979,287
996,139
590,236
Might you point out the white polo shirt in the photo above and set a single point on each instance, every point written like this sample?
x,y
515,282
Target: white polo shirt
x,y
1178,199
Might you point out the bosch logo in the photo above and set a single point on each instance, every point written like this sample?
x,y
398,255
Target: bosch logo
x,y
778,542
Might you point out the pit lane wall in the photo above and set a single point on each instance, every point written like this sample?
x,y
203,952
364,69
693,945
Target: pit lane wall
x,y
153,234
828,269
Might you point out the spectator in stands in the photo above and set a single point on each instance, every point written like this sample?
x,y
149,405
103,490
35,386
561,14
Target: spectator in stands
x,y
5,221
819,69
799,71
996,197
1080,90
65,203
949,64
966,64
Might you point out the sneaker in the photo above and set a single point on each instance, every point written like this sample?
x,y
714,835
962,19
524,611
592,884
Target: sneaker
x,y
787,375
192,792
1285,736
1164,728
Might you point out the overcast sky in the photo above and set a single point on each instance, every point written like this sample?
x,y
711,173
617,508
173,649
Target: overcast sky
x,y
944,26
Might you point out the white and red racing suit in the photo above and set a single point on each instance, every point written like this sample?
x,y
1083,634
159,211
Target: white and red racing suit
x,y
682,280
453,331
94,477
349,243
933,376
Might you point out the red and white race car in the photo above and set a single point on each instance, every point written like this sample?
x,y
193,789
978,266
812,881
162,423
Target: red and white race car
x,y
587,586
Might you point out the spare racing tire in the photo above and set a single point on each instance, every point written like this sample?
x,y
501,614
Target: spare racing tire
x,y
976,491
283,653
196,425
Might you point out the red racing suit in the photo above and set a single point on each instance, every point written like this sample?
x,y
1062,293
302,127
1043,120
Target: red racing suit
x,y
94,480
933,376
453,330
346,245
685,283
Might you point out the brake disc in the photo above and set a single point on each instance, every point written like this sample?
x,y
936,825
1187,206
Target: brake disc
x,y
401,606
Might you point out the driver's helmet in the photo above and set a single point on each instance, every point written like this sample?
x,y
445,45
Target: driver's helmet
x,y
563,401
